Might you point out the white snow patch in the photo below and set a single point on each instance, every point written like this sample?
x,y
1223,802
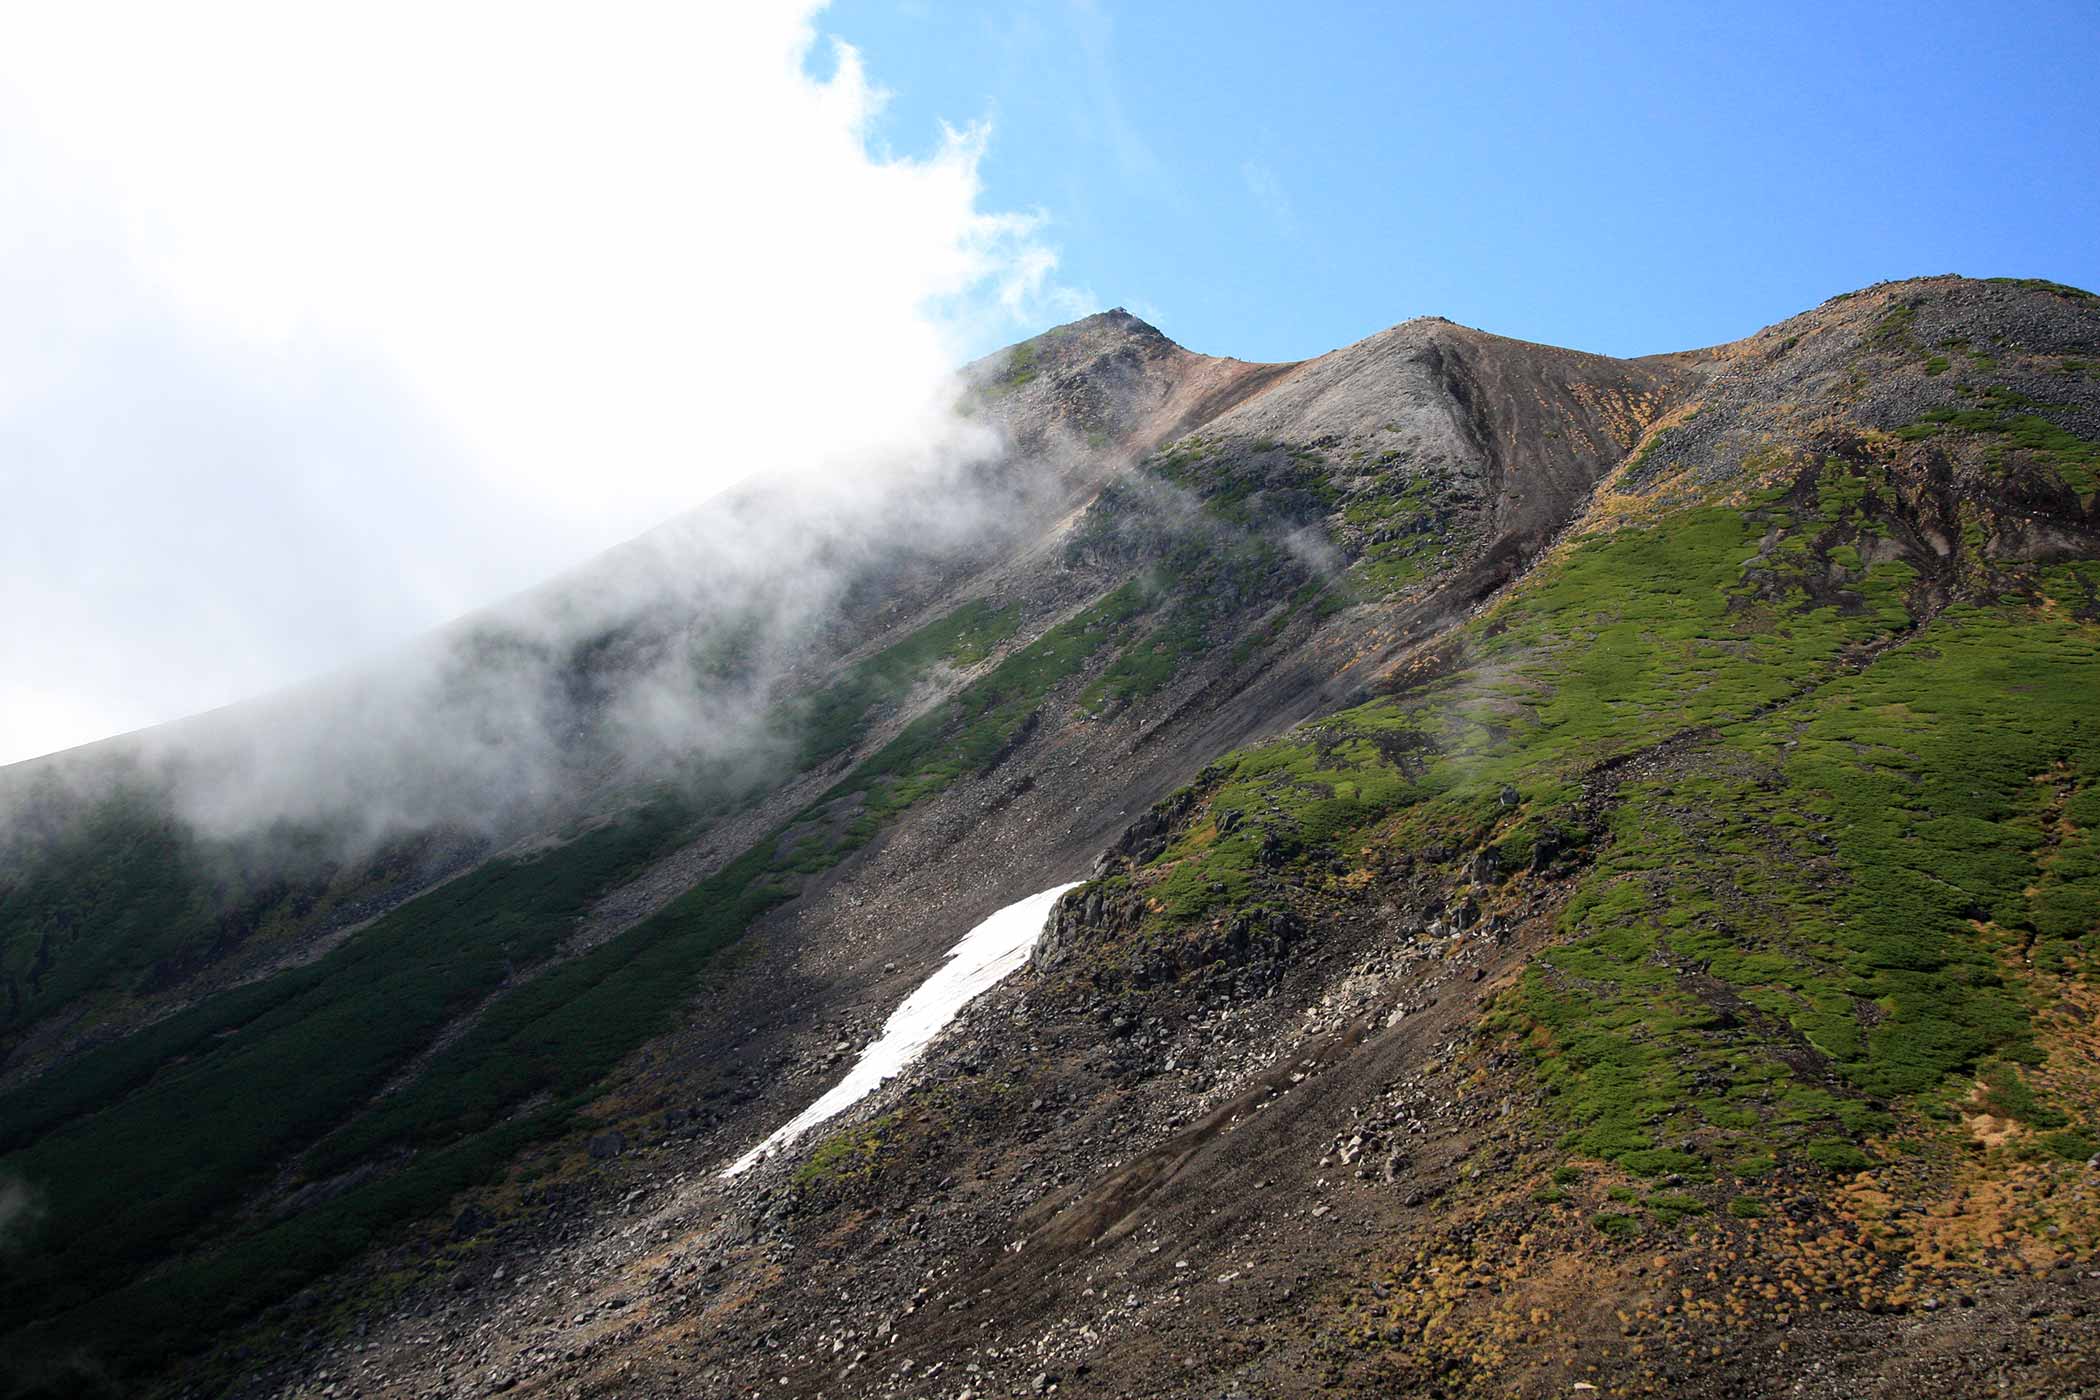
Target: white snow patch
x,y
985,956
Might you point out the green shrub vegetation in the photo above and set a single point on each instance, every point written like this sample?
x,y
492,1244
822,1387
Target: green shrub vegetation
x,y
836,718
1617,1226
1799,920
116,897
150,1143
1410,522
2006,417
2075,1143
164,1130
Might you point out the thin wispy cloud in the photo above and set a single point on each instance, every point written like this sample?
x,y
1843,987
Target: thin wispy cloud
x,y
1104,112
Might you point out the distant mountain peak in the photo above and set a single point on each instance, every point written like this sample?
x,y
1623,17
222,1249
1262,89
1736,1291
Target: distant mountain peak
x,y
1114,324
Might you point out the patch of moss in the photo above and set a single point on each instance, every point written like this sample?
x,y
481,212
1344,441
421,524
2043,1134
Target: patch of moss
x,y
2075,1144
1020,367
845,1156
2000,417
1405,524
2006,1093
1147,664
1673,1207
2043,284
1837,1155
1894,326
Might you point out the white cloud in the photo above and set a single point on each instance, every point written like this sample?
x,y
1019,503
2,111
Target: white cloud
x,y
325,323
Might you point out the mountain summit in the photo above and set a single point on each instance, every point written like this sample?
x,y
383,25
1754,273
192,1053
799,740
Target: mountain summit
x,y
1589,880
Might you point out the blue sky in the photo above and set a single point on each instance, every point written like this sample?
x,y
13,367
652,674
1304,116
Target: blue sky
x,y
1271,181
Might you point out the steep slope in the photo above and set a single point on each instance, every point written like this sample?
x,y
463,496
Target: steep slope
x,y
272,1023
672,663
1659,943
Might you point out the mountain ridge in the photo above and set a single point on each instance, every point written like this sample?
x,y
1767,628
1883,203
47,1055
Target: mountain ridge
x,y
1507,595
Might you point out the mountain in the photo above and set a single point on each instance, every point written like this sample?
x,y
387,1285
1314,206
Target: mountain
x,y
1591,876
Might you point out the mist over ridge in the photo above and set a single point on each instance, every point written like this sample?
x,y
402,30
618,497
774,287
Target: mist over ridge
x,y
261,428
